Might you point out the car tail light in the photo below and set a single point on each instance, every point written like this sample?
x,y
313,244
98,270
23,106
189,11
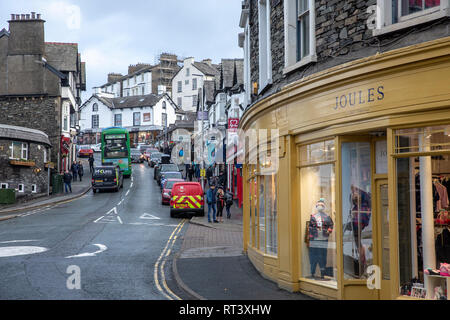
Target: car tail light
x,y
202,202
115,179
171,202
92,181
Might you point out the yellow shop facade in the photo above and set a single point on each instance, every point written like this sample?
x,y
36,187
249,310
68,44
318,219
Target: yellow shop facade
x,y
358,206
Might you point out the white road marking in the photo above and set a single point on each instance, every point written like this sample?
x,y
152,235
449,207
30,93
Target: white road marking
x,y
113,210
15,241
99,219
120,202
149,216
20,251
126,194
152,224
90,254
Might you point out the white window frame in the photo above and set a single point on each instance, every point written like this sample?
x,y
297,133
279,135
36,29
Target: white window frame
x,y
98,121
290,36
45,155
21,188
384,16
3,185
194,84
265,52
33,188
179,86
187,72
24,149
95,107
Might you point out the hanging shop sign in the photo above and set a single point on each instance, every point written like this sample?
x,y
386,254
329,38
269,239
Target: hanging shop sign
x,y
233,124
65,145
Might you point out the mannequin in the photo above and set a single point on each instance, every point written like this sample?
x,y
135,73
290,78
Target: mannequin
x,y
320,228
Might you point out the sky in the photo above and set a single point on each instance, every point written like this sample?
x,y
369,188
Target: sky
x,y
112,34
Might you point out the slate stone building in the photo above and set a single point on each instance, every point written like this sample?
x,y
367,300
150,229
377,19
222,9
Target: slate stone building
x,y
41,84
24,154
340,203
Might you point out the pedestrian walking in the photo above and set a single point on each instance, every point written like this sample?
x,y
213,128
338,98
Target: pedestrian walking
x,y
228,203
190,172
197,172
209,174
67,178
91,163
211,200
220,203
80,170
74,169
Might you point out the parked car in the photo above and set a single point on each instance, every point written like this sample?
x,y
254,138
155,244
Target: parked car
x,y
154,159
136,156
166,158
107,178
148,152
97,147
164,167
169,175
187,197
167,190
85,151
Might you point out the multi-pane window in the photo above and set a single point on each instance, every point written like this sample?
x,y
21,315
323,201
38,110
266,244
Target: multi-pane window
x,y
118,120
95,121
194,84
164,105
186,82
136,118
19,150
179,101
194,100
303,29
95,107
412,6
142,90
187,72
180,86
65,124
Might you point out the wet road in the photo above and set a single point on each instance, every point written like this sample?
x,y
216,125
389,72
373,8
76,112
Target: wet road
x,y
112,244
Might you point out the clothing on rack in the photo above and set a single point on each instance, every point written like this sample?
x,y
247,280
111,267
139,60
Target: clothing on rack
x,y
442,202
443,246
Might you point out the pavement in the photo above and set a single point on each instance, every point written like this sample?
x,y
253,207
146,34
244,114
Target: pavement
x,y
79,188
211,264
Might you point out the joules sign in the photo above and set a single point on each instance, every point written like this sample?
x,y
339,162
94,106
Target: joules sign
x,y
359,97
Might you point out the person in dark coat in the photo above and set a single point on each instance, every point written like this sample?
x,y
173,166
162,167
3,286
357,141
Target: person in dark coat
x,y
190,171
67,178
74,169
80,170
211,196
228,203
91,163
220,203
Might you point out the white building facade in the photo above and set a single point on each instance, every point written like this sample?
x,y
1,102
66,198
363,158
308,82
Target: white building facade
x,y
143,116
189,79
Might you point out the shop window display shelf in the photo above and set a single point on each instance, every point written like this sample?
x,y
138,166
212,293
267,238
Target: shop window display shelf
x,y
433,281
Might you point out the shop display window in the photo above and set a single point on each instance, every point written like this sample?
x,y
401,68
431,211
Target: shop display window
x,y
271,214
423,192
318,213
262,223
356,209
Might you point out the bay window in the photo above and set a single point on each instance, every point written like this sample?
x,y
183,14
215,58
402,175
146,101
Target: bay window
x,y
299,33
393,15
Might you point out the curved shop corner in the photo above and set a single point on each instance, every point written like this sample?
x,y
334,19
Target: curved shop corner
x,y
363,179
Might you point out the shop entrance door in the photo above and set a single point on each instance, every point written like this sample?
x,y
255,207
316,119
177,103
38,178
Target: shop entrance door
x,y
382,208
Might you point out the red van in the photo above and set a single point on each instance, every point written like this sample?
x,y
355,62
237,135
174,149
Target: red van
x,y
187,197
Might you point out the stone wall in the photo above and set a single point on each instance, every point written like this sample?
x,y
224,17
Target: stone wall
x,y
14,175
342,35
39,113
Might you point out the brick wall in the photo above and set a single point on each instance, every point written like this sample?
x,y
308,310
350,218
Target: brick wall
x,y
342,35
41,114
15,175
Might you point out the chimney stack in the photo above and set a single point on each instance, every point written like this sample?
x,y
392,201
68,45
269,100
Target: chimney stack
x,y
26,35
33,15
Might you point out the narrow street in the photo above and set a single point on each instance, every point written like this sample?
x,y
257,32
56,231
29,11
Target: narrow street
x,y
119,241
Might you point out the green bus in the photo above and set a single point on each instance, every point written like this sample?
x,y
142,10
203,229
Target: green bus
x,y
116,148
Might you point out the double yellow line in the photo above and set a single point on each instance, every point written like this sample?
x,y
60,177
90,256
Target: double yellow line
x,y
160,266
